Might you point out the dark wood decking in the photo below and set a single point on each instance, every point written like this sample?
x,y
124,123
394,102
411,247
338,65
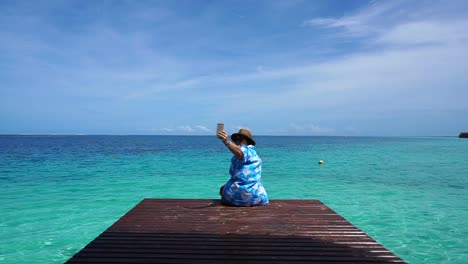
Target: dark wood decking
x,y
204,231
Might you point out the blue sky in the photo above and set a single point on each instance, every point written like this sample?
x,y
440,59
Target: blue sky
x,y
277,67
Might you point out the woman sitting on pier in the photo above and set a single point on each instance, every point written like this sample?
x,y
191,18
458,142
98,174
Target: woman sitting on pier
x,y
244,188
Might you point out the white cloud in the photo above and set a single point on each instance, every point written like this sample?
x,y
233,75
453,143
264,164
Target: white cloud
x,y
181,129
331,22
185,129
367,83
360,23
164,129
426,32
401,22
203,128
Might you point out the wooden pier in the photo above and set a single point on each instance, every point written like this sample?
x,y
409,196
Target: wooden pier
x,y
204,231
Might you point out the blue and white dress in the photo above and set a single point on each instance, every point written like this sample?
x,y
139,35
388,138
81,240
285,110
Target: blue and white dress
x,y
245,188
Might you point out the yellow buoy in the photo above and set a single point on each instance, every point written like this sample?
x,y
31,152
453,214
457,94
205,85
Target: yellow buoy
x,y
320,161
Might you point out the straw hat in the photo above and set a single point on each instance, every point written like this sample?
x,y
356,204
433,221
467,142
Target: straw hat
x,y
243,133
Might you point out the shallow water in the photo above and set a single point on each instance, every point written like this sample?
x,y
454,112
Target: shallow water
x,y
60,192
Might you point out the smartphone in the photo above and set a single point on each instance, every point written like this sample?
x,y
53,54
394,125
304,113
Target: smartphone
x,y
219,127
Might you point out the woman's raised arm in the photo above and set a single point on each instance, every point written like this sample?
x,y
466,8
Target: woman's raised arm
x,y
236,150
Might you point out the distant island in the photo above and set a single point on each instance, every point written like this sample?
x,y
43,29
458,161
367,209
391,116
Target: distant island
x,y
463,135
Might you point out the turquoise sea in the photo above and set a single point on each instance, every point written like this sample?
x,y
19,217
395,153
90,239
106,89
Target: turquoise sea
x,y
60,192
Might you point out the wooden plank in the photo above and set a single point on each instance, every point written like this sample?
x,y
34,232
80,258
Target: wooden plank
x,y
204,231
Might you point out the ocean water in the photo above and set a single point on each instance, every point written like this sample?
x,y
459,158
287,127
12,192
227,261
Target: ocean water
x,y
60,192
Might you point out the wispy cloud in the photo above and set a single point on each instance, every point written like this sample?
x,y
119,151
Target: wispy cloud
x,y
180,129
363,21
426,32
203,129
346,23
400,22
163,130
